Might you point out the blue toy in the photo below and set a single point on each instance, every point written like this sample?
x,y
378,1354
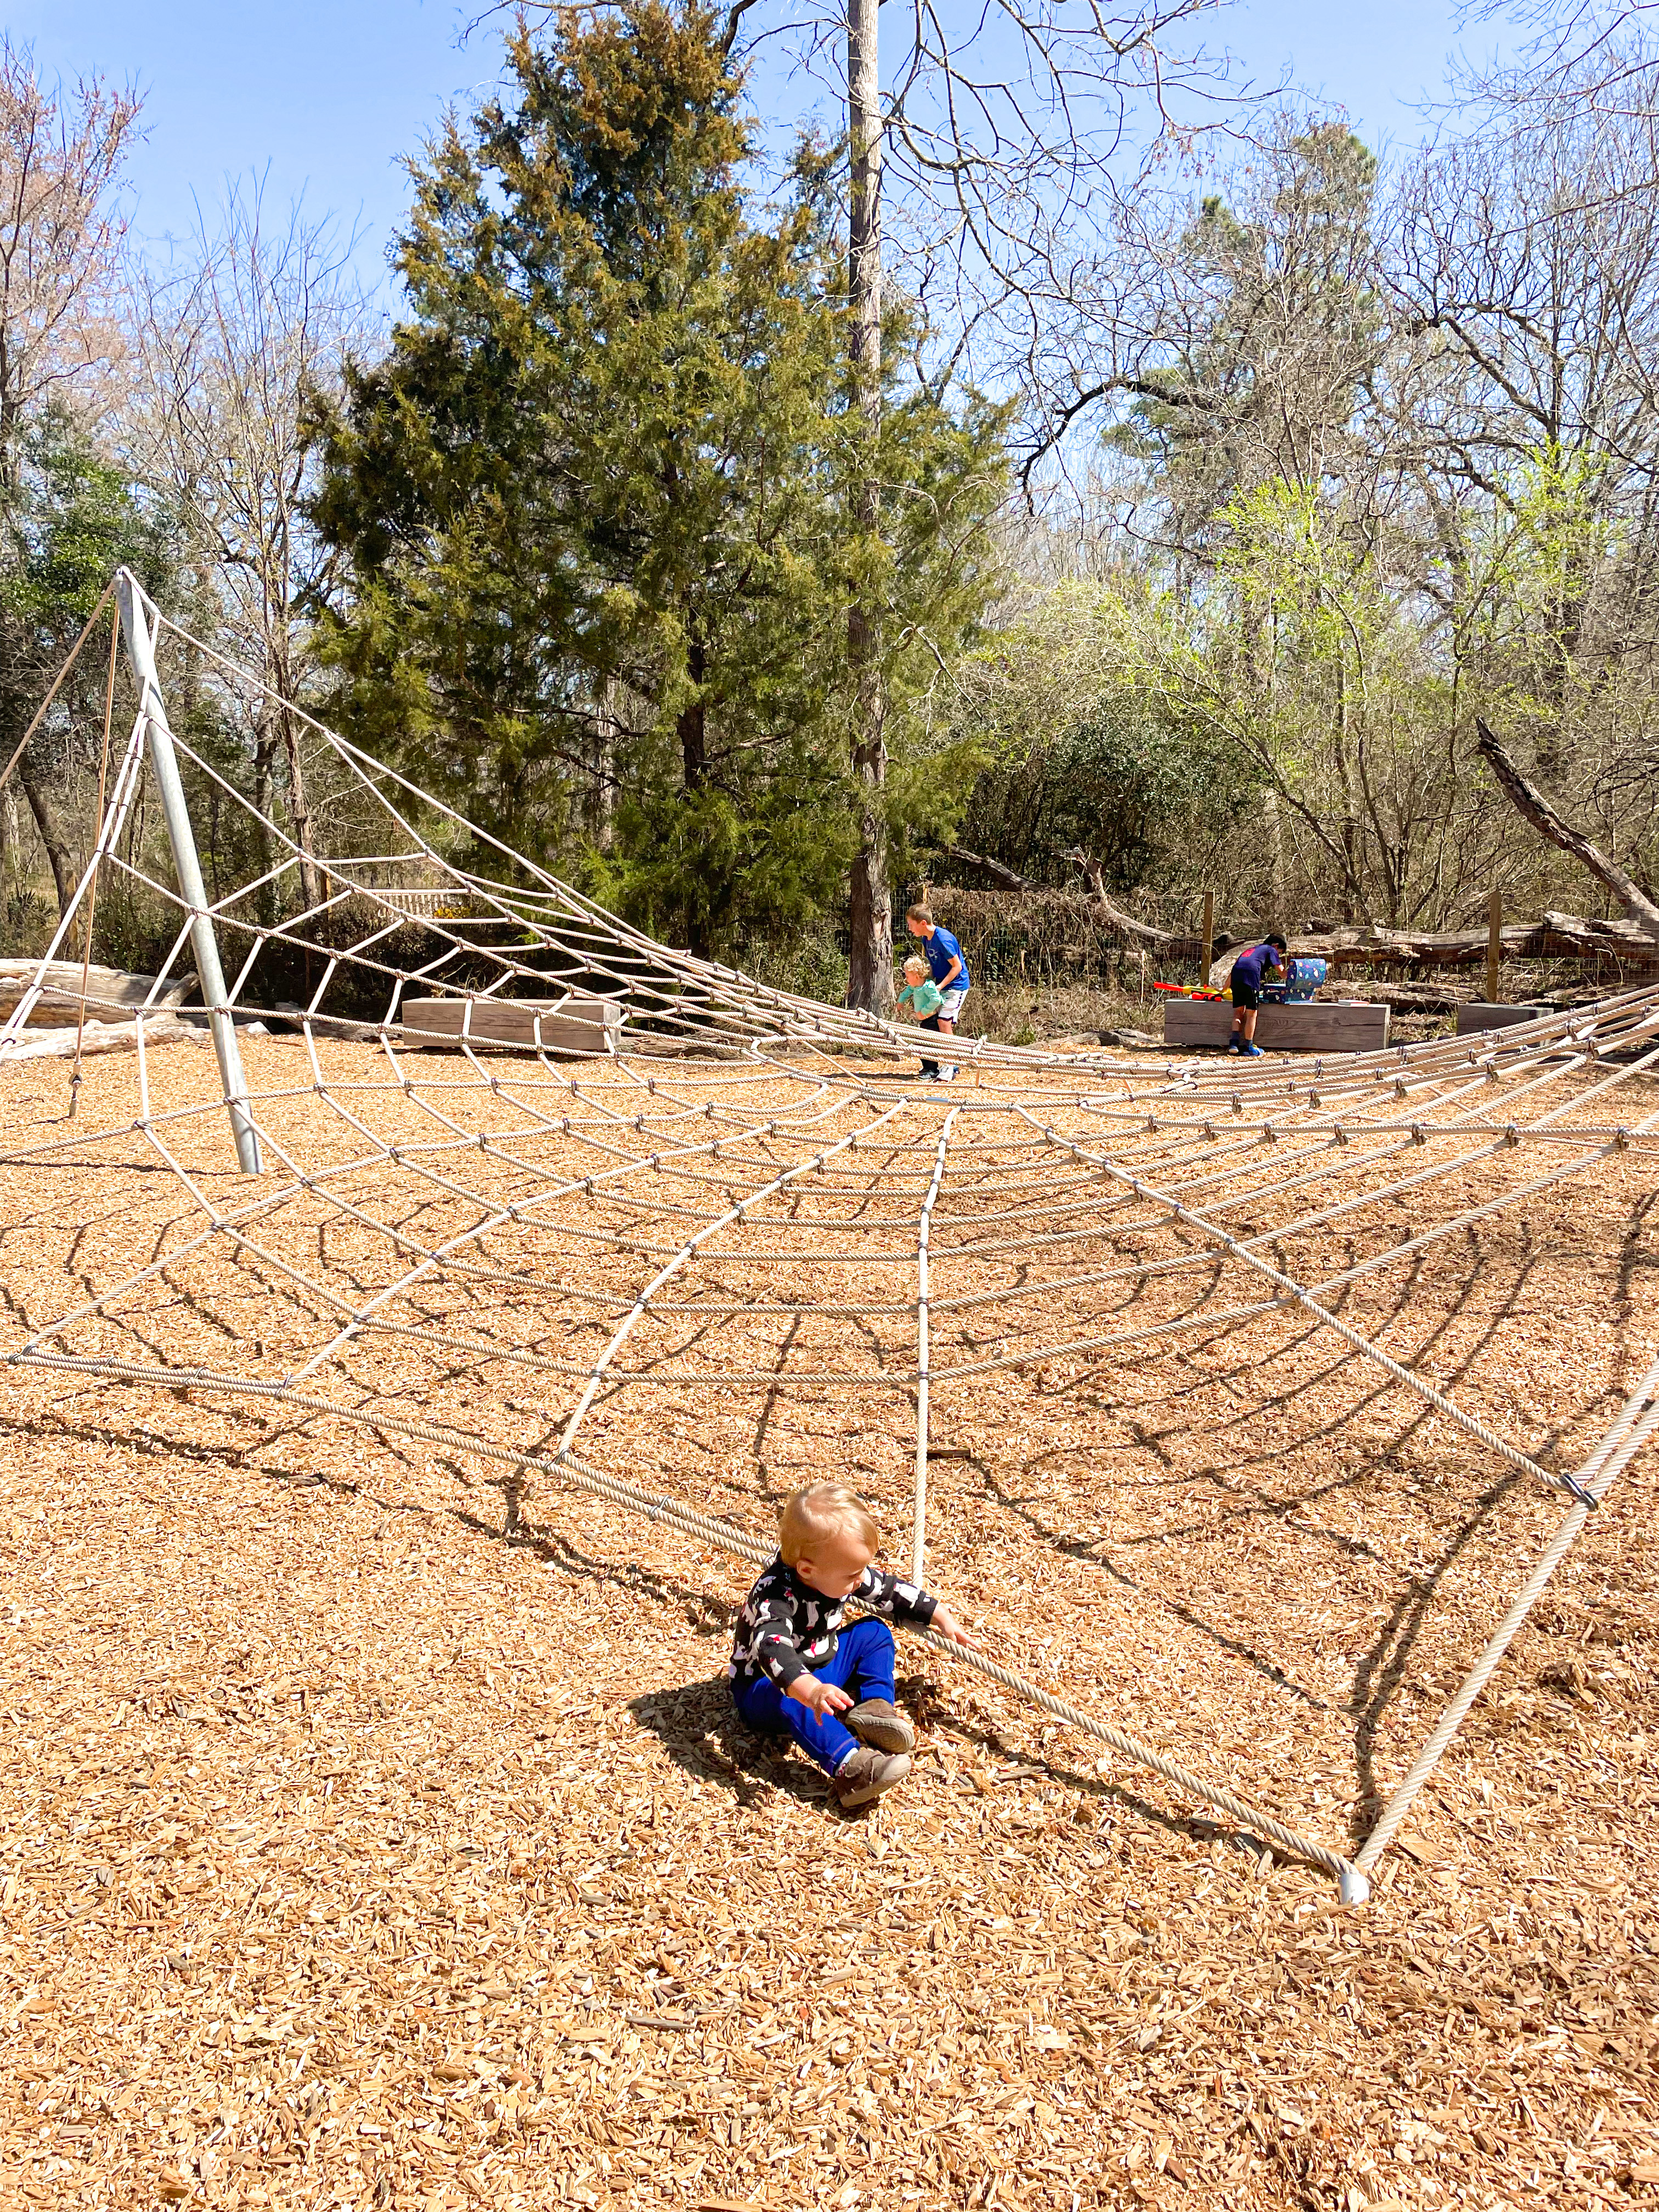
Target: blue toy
x,y
1302,979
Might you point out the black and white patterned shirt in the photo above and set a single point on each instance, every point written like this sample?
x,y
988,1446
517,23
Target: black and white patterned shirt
x,y
786,1629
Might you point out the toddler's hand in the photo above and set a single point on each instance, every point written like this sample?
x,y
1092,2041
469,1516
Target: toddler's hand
x,y
946,1624
822,1698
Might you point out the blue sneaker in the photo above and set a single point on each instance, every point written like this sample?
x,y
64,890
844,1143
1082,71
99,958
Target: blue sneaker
x,y
1251,1051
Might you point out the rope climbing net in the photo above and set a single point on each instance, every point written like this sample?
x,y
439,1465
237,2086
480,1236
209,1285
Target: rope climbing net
x,y
621,1220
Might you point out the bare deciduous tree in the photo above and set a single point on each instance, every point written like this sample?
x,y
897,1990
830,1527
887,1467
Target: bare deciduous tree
x,y
60,236
1003,137
870,915
228,349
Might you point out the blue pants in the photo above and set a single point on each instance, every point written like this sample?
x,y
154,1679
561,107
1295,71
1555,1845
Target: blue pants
x,y
862,1666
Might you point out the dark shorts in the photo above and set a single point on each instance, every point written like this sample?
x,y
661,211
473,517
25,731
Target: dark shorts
x,y
1245,995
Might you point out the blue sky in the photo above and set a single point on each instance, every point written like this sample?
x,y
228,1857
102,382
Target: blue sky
x,y
329,96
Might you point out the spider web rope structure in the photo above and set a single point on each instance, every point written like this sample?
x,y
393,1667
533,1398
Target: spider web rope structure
x,y
602,1264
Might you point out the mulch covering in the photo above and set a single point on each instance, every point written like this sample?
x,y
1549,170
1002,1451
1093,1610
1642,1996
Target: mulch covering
x,y
377,1828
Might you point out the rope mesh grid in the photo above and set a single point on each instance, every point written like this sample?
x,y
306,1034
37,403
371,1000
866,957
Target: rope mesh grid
x,y
477,1225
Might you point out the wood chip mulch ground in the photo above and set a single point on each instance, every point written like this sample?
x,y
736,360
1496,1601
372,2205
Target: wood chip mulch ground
x,y
377,1832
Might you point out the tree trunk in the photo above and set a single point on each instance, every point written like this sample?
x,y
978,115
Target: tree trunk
x,y
870,968
14,715
62,860
600,804
692,727
1275,846
1173,942
1352,887
1528,801
311,878
265,752
692,730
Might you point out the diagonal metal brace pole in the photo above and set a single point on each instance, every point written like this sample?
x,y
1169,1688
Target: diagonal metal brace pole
x,y
204,945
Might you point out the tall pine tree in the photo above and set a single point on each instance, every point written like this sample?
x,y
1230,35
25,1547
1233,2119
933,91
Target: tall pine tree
x,y
597,504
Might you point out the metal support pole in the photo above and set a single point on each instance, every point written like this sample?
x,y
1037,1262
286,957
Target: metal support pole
x,y
1494,943
1207,938
204,945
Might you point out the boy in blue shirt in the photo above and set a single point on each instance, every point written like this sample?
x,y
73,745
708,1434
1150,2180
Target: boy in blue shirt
x,y
1247,974
948,966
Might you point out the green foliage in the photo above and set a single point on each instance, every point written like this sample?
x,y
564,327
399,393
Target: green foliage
x,y
68,519
1282,332
1360,524
1081,746
1531,566
705,863
595,503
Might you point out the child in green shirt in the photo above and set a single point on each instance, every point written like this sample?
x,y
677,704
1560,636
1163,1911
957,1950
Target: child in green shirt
x,y
922,998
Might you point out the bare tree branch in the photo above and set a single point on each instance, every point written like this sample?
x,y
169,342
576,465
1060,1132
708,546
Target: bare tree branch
x,y
1006,879
1531,804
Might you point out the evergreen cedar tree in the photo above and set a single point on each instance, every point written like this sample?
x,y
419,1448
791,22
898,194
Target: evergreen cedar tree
x,y
595,507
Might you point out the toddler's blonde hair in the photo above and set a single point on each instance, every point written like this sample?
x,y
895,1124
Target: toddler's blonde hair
x,y
915,964
827,1509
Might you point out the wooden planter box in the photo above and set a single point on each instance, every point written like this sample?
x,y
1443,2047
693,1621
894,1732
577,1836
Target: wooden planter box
x,y
1314,1025
1476,1015
566,1025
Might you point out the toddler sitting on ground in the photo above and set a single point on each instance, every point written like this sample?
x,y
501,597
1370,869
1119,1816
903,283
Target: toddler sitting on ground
x,y
794,1667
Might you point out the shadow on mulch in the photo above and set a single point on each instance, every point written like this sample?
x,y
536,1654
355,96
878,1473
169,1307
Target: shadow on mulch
x,y
697,1725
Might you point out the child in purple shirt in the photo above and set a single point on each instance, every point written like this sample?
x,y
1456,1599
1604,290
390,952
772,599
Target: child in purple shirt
x,y
1247,974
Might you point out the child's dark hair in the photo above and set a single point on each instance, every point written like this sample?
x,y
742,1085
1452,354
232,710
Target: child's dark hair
x,y
1275,938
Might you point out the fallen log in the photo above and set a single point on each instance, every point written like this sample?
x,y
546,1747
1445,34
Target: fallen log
x,y
105,1036
1004,878
108,990
1554,937
1625,940
1557,937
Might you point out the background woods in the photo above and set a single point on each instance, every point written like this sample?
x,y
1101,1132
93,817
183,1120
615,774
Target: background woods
x,y
1186,535
1385,467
